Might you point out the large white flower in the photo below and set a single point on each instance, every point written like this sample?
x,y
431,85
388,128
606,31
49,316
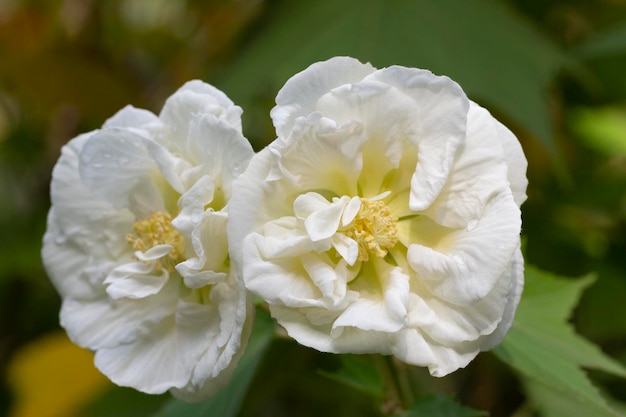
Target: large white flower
x,y
136,244
385,217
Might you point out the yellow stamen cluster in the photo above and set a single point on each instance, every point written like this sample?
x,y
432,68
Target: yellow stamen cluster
x,y
158,230
374,229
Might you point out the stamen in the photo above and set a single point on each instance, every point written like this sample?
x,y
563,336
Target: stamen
x,y
158,230
374,229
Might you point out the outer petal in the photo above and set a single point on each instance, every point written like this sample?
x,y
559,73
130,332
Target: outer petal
x,y
217,364
515,273
516,162
413,348
298,97
83,231
469,263
178,341
109,159
386,312
441,117
194,98
224,156
478,174
132,118
102,322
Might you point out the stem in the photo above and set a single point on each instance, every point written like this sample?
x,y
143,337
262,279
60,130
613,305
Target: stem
x,y
401,381
398,386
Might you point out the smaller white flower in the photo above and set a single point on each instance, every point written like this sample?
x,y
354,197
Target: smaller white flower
x,y
385,217
136,244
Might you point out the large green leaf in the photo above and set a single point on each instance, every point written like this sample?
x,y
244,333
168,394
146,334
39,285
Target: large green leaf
x,y
485,46
440,406
228,401
544,348
360,373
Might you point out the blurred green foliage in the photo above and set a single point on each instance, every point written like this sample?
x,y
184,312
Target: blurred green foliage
x,y
552,70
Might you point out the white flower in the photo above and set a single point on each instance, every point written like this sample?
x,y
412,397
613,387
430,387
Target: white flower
x,y
136,244
385,217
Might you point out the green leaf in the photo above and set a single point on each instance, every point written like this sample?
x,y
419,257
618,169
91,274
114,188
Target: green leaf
x,y
359,373
551,403
482,44
228,401
440,405
544,348
609,42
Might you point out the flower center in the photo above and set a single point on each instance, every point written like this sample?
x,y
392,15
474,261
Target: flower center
x,y
158,230
374,229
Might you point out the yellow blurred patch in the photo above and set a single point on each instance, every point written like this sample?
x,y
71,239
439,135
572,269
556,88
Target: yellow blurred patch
x,y
52,377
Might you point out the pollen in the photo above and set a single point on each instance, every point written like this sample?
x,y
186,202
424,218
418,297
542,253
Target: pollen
x,y
158,230
374,229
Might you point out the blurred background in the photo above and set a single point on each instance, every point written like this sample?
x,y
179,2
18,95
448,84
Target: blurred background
x,y
554,71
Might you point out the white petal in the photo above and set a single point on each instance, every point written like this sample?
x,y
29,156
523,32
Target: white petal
x,y
103,322
217,364
320,159
116,167
351,210
478,174
135,280
211,249
191,205
515,273
245,210
165,357
439,128
132,117
285,237
347,248
412,347
322,224
468,266
171,167
451,324
194,279
330,279
195,98
378,309
299,95
280,281
221,150
308,203
516,162
84,233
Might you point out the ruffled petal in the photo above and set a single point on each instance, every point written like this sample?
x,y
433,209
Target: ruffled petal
x,y
84,233
225,156
438,129
279,281
466,265
478,174
117,168
177,345
135,280
514,273
412,347
383,310
516,162
195,98
132,118
298,97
